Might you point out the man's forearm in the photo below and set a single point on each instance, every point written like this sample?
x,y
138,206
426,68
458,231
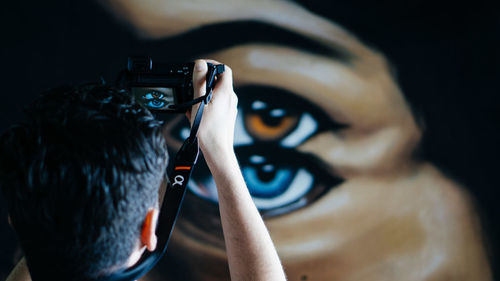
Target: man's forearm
x,y
251,253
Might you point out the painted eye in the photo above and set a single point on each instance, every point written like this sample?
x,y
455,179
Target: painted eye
x,y
277,184
273,185
267,180
155,104
270,125
267,123
154,99
153,95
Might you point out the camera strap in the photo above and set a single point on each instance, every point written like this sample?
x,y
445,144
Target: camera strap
x,y
184,162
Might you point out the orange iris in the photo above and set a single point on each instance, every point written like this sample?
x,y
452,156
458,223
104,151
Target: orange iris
x,y
259,129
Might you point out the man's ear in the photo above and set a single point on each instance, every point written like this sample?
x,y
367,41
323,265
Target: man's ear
x,y
148,236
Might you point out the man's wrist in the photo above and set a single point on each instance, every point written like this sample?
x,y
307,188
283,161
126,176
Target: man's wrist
x,y
220,156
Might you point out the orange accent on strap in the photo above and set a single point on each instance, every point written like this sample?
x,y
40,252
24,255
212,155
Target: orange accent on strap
x,y
183,168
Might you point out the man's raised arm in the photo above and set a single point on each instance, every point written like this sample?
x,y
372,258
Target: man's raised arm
x,y
250,250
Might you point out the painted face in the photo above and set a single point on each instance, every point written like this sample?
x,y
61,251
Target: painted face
x,y
325,142
301,151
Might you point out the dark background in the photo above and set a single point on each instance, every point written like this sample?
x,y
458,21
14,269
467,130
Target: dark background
x,y
446,57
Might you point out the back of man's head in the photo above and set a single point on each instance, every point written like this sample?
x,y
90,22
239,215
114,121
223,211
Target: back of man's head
x,y
79,175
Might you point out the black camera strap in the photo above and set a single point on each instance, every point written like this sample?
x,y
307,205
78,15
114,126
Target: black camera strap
x,y
184,162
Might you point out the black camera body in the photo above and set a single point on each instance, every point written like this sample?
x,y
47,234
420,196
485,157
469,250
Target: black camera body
x,y
159,86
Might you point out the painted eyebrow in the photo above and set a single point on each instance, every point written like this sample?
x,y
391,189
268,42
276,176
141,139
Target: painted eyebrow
x,y
214,37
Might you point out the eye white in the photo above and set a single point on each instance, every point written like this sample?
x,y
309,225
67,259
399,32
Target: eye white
x,y
241,137
184,133
300,185
306,127
148,96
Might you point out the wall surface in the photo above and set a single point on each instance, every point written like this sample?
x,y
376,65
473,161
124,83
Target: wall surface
x,y
367,133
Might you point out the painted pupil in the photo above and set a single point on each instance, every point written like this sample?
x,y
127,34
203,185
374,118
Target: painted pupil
x,y
266,173
271,120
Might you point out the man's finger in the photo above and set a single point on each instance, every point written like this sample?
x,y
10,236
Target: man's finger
x,y
199,77
199,82
226,77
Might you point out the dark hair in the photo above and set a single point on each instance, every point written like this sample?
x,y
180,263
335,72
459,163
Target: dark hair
x,y
79,175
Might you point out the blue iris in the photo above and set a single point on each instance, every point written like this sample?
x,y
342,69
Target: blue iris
x,y
155,104
265,181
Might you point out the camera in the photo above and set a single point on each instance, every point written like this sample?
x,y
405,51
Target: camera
x,y
162,87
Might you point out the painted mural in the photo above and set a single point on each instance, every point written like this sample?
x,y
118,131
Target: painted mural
x,y
326,140
326,143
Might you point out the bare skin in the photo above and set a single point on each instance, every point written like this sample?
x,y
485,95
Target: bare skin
x,y
394,217
250,250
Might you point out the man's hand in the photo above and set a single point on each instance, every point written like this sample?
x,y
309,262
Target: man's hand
x,y
216,130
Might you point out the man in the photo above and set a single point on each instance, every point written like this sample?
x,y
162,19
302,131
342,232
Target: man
x,y
82,177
